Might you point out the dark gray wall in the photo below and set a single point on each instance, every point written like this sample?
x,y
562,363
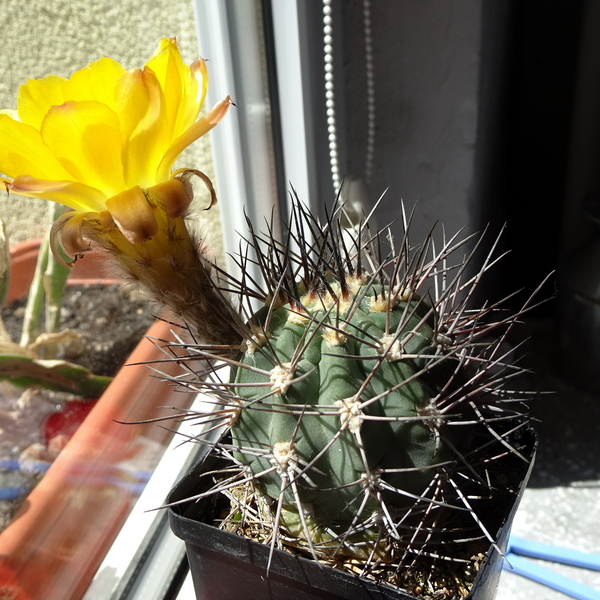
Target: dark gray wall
x,y
426,67
474,103
583,172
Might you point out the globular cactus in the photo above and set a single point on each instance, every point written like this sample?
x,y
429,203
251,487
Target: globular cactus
x,y
336,389
366,410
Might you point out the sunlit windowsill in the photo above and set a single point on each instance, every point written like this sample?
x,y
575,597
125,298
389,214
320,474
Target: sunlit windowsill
x,y
146,557
187,589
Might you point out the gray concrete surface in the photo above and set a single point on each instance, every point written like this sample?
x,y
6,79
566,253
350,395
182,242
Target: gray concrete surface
x,y
562,503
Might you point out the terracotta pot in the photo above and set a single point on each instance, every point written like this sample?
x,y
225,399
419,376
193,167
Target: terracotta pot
x,y
57,540
23,259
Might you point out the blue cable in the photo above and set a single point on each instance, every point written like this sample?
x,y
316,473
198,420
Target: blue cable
x,y
518,547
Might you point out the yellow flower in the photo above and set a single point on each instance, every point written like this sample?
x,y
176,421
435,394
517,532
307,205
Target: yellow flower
x,y
104,143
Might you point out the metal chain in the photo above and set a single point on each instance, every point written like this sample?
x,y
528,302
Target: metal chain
x,y
370,145
330,95
330,92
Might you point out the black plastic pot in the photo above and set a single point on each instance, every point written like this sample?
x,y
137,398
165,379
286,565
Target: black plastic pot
x,y
225,566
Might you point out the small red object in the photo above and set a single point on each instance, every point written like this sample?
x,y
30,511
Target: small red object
x,y
66,421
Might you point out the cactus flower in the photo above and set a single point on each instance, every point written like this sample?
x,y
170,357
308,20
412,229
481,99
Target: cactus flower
x,y
104,141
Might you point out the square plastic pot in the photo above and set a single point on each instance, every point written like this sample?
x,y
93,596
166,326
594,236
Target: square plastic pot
x,y
225,566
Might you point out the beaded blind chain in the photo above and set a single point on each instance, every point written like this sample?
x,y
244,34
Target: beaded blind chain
x,y
330,92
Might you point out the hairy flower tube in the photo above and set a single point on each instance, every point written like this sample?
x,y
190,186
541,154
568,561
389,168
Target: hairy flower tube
x,y
103,143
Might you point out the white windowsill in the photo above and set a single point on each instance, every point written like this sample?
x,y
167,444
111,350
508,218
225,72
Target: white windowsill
x,y
145,555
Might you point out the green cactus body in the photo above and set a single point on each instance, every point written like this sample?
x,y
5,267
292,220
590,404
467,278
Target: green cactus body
x,y
365,418
333,393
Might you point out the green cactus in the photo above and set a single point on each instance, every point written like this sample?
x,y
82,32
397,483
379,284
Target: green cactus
x,y
365,410
344,376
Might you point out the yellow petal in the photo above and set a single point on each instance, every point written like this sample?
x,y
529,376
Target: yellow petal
x,y
97,81
77,196
184,87
141,111
86,139
133,215
194,93
171,73
197,130
200,73
22,152
165,44
37,96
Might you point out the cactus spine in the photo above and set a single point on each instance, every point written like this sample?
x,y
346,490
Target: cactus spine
x,y
365,408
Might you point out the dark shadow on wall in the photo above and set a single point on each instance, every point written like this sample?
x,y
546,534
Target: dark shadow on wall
x,y
528,72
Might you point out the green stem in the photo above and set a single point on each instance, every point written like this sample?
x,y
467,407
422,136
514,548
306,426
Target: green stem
x,y
56,375
33,308
4,275
55,279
